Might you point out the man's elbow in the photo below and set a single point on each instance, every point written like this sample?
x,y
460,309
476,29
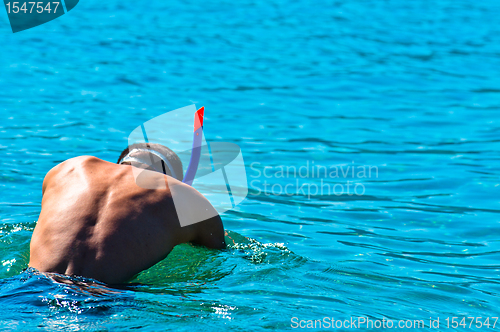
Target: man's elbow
x,y
211,233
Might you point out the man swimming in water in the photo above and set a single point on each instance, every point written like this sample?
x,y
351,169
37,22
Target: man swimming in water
x,y
97,222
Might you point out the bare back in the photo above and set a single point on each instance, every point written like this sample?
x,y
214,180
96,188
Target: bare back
x,y
96,222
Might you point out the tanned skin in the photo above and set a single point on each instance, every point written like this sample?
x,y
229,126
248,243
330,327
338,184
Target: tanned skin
x,y
97,222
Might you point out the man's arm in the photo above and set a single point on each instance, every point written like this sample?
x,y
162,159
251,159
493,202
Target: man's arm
x,y
198,219
211,233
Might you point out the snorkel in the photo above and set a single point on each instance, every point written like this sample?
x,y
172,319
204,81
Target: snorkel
x,y
196,150
134,155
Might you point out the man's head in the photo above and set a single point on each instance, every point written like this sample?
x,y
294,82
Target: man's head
x,y
146,152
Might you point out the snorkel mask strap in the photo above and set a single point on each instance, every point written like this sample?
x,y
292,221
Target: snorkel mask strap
x,y
196,150
164,161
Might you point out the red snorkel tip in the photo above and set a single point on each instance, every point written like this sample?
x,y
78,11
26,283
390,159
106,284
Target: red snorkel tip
x,y
198,118
196,152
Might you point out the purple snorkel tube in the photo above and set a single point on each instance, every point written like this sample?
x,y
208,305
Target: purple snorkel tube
x,y
196,151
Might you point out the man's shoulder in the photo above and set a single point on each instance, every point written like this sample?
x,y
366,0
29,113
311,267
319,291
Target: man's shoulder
x,y
69,164
80,160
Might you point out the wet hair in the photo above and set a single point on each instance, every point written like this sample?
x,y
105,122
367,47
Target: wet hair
x,y
171,156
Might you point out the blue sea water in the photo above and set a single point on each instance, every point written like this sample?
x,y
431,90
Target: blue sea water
x,y
408,89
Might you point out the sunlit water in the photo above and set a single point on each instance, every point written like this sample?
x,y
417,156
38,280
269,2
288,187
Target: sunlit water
x,y
411,88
